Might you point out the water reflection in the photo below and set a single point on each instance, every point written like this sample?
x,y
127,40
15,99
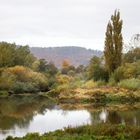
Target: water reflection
x,y
103,115
129,117
19,116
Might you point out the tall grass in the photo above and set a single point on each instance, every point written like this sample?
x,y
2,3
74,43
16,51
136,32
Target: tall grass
x,y
132,84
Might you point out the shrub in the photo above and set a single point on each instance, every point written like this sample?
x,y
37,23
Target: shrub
x,y
20,79
126,71
101,83
7,80
52,82
76,83
40,80
71,73
3,93
63,79
130,84
21,87
96,70
89,84
112,82
132,55
117,75
63,89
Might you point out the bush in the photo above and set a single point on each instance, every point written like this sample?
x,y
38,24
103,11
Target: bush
x,y
20,87
133,84
89,84
20,79
126,71
65,88
96,70
101,83
117,75
63,79
112,82
3,93
71,73
76,83
52,82
7,80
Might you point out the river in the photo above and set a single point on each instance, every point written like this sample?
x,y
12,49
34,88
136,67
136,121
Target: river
x,y
21,115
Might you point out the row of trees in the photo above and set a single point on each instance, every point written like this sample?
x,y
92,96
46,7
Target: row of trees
x,y
12,55
21,71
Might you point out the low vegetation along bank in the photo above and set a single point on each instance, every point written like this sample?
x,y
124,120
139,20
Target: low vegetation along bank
x,y
99,132
100,95
75,90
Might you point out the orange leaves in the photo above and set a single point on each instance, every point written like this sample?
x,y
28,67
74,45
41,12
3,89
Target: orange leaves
x,y
65,63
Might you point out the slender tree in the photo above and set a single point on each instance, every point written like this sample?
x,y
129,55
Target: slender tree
x,y
113,43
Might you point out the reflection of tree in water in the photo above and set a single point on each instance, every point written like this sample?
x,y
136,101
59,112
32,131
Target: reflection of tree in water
x,y
95,119
99,116
9,122
19,111
116,117
131,117
137,117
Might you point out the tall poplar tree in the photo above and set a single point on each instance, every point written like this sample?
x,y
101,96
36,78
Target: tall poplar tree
x,y
113,43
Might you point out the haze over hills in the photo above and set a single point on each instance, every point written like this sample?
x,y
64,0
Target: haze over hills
x,y
75,55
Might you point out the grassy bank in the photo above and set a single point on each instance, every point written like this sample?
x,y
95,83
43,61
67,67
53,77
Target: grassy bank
x,y
71,90
99,132
68,89
100,95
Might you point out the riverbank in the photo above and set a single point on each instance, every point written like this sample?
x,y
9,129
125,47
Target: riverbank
x,y
98,95
97,132
104,94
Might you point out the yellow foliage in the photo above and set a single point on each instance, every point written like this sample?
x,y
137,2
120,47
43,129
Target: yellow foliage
x,y
25,74
89,84
63,79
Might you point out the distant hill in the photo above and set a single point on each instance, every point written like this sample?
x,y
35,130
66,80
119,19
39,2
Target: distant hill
x,y
75,55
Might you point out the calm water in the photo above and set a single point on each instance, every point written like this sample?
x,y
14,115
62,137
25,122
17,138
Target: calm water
x,y
20,115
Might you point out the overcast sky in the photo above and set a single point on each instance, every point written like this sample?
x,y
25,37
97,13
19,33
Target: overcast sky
x,y
65,22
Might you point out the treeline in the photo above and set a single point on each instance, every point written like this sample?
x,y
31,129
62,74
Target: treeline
x,y
12,55
21,72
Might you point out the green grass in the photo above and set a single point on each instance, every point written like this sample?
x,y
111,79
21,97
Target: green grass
x,y
3,93
132,84
99,132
